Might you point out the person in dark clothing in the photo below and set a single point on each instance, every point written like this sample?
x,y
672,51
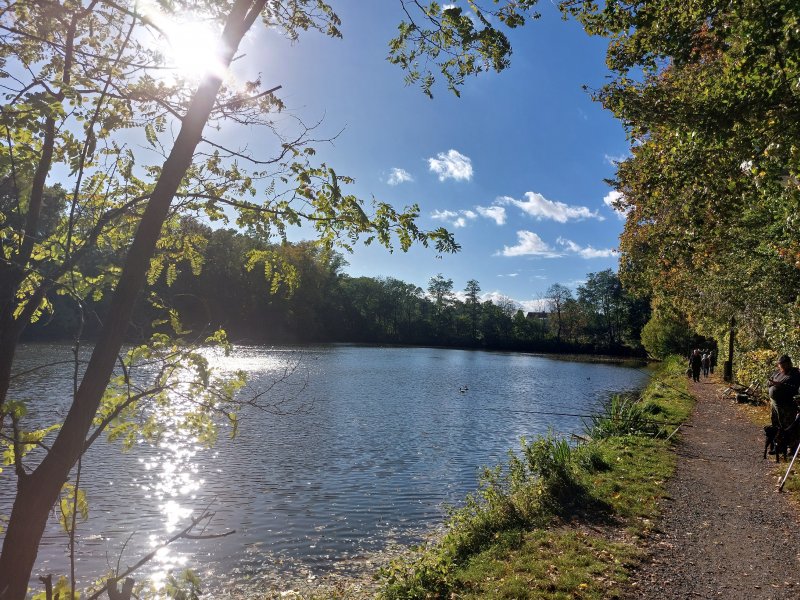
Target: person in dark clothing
x,y
706,362
696,362
784,385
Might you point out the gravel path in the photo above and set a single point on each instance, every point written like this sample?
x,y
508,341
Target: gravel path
x,y
725,531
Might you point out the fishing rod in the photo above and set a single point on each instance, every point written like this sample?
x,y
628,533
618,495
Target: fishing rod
x,y
665,384
580,415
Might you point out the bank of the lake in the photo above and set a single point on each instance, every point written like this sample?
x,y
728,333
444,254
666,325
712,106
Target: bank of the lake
x,y
557,520
367,445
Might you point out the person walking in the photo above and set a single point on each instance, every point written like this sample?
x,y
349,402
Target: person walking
x,y
696,362
706,362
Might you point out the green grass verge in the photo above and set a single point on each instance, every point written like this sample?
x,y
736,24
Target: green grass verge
x,y
557,521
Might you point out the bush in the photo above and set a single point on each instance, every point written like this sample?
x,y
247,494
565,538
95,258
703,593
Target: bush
x,y
665,333
755,366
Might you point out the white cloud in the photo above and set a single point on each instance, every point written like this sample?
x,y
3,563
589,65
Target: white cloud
x,y
455,218
451,165
398,176
499,298
496,213
585,252
538,305
529,244
540,208
615,160
609,200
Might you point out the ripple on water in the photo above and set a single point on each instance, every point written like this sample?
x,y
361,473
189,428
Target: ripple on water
x,y
375,441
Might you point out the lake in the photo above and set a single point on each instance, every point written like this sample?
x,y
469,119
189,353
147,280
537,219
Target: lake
x,y
373,442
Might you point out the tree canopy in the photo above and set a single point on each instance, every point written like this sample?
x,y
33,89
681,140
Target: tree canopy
x,y
708,92
106,147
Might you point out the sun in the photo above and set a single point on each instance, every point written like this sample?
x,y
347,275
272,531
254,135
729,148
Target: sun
x,y
193,49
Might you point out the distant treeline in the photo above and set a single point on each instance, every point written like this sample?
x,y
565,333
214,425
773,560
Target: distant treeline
x,y
296,293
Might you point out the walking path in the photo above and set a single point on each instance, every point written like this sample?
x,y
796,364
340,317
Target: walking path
x,y
725,531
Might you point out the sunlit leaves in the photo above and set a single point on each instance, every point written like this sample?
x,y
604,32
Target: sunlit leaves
x,y
185,586
456,42
26,440
72,504
707,91
62,590
170,385
278,271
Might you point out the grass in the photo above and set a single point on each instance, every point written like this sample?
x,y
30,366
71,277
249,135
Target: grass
x,y
561,563
557,521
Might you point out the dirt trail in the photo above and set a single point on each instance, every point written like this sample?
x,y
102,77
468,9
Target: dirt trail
x,y
725,531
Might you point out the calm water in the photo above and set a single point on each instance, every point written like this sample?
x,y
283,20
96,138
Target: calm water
x,y
374,442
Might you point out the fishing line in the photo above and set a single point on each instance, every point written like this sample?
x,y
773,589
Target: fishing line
x,y
580,415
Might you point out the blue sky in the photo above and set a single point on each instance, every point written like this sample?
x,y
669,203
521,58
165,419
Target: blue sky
x,y
514,167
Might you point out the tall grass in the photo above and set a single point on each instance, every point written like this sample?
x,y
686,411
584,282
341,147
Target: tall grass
x,y
625,414
619,472
534,485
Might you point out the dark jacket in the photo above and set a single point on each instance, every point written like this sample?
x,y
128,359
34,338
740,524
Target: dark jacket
x,y
784,386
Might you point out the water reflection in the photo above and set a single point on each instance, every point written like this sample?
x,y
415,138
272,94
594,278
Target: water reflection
x,y
365,447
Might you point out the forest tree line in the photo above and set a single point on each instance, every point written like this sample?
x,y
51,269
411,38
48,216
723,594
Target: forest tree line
x,y
298,293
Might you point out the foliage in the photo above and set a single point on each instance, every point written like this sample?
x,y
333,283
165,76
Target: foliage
x,y
61,590
538,480
755,366
185,586
666,333
313,301
623,414
708,95
457,42
558,294
86,223
72,504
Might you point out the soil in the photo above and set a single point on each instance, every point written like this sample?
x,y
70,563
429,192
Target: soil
x,y
725,530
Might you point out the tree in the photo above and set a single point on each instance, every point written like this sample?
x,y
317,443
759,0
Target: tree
x,y
81,82
557,295
707,93
440,291
666,333
473,304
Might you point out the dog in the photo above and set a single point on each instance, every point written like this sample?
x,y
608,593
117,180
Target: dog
x,y
770,433
781,441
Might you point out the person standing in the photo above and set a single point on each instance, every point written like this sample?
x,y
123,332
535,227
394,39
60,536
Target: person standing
x,y
783,387
696,362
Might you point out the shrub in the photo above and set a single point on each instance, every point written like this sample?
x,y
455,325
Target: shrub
x,y
755,366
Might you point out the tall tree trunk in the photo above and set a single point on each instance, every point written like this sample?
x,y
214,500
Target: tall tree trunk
x,y
38,491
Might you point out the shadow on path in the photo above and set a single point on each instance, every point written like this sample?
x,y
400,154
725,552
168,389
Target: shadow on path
x,y
725,531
